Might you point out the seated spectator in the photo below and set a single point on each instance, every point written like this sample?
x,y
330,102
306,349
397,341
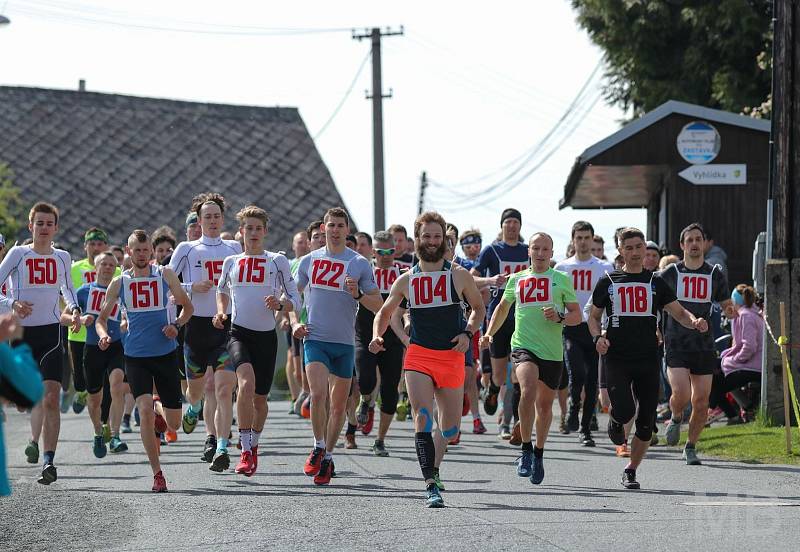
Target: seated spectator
x,y
20,382
741,363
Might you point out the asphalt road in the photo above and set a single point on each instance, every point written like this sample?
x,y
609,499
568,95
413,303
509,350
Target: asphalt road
x,y
377,503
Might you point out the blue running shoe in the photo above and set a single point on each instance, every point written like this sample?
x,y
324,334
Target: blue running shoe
x,y
524,463
79,402
537,476
433,498
99,447
117,445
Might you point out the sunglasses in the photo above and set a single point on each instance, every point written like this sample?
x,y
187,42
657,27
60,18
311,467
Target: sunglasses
x,y
385,252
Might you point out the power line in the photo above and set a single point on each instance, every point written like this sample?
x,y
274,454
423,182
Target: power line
x,y
344,98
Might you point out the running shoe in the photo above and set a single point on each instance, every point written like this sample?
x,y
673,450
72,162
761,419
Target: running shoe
x,y
209,449
690,455
159,423
220,462
106,433
586,439
572,419
79,402
245,465
363,413
616,432
350,441
537,474
136,419
654,440
254,450
563,428
171,436
456,439
162,440
323,477
714,415
66,400
298,404
159,483
516,435
629,479
126,424
314,461
305,409
673,433
623,451
593,424
401,411
477,427
117,445
32,452
505,433
437,479
379,449
524,463
366,428
99,447
188,422
664,415
433,498
465,406
490,401
49,474
407,402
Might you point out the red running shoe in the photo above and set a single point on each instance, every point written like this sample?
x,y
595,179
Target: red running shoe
x,y
477,427
367,427
465,406
254,450
314,461
305,409
159,483
325,473
245,465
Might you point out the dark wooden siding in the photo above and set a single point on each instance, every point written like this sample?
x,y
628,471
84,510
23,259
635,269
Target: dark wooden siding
x,y
734,214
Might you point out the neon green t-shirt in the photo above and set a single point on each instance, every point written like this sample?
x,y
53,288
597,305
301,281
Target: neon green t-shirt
x,y
84,272
293,266
531,292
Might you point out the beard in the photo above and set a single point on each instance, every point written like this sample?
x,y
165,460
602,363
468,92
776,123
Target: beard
x,y
430,254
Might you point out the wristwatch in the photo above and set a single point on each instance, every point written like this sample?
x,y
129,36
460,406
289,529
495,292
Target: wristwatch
x,y
468,333
561,317
360,295
281,307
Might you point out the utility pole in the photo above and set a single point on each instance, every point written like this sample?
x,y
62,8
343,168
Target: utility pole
x,y
377,97
423,183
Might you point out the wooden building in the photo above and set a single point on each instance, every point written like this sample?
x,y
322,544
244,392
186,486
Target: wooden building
x,y
683,163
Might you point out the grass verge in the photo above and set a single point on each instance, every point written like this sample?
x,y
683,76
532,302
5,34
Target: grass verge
x,y
754,443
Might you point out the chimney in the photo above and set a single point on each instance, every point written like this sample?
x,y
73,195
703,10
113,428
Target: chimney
x,y
81,85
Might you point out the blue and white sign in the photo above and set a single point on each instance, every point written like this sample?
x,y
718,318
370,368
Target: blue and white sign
x,y
699,143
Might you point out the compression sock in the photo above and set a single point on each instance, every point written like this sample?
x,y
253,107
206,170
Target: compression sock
x,y
245,436
222,445
426,453
49,456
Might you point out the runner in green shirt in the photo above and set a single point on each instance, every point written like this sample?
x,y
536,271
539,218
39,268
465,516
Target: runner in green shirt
x,y
545,301
95,241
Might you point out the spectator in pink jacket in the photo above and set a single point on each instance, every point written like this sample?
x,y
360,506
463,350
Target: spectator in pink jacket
x,y
741,363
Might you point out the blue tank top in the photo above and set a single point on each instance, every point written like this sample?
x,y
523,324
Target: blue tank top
x,y
435,307
147,305
90,300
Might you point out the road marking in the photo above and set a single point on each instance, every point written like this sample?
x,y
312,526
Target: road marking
x,y
740,503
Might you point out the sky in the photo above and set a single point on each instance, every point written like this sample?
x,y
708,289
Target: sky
x,y
485,97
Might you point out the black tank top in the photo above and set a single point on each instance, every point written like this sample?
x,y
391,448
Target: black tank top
x,y
435,307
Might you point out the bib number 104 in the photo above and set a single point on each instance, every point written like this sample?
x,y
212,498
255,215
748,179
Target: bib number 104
x,y
426,292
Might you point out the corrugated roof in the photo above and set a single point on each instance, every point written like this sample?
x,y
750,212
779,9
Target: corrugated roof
x,y
121,162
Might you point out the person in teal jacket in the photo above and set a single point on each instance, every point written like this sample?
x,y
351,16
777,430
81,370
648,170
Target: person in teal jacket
x,y
20,383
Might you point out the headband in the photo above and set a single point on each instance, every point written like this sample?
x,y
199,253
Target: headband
x,y
95,235
470,240
191,218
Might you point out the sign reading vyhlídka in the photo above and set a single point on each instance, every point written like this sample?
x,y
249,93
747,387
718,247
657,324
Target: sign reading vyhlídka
x,y
715,174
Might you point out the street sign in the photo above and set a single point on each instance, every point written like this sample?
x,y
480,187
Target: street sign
x,y
703,175
699,143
